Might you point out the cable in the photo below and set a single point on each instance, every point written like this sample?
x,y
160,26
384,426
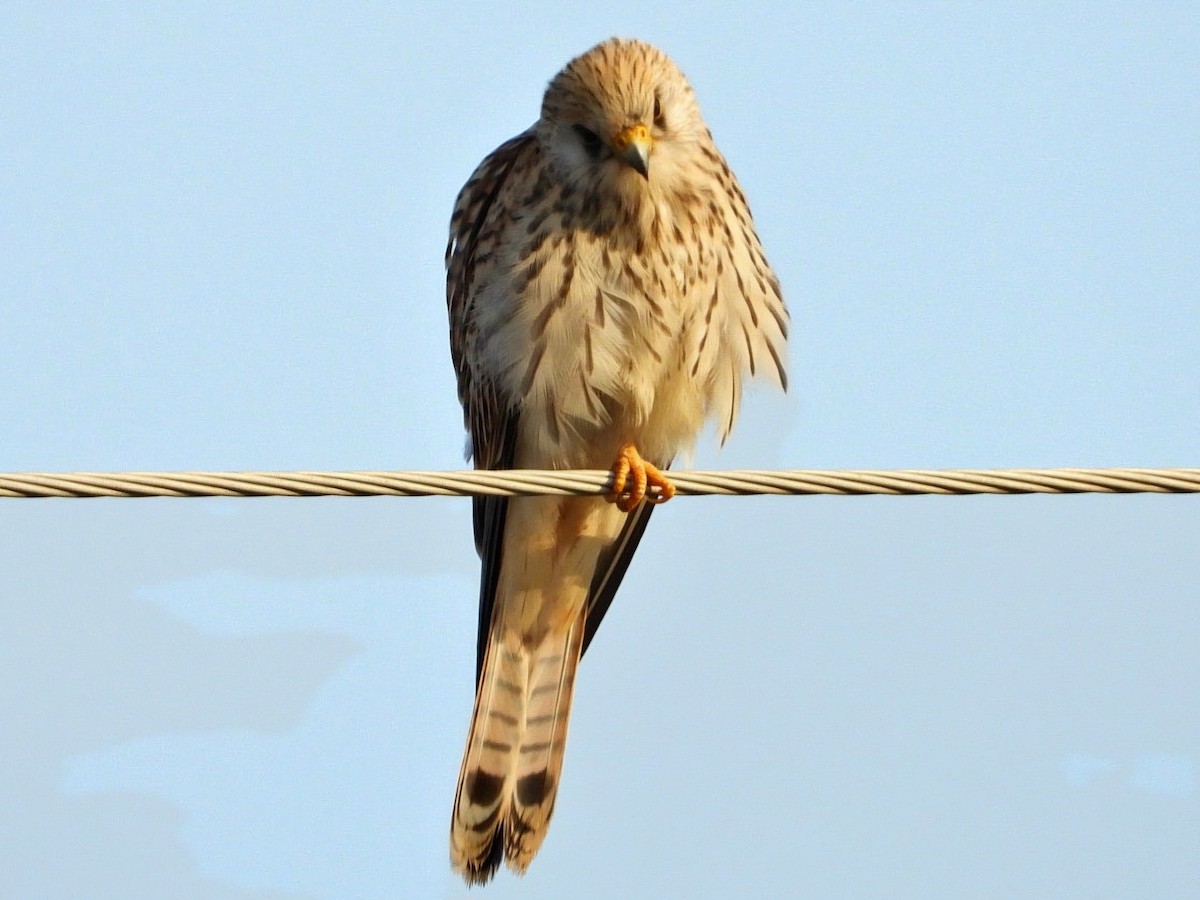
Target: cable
x,y
529,482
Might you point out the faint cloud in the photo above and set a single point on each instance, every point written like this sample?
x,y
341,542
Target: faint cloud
x,y
1084,771
1164,774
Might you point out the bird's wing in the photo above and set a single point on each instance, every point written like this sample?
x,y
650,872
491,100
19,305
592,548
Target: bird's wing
x,y
491,422
484,414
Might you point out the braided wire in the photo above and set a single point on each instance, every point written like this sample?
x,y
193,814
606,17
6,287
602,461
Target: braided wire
x,y
530,482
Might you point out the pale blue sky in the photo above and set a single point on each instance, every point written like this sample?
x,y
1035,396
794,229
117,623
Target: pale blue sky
x,y
221,229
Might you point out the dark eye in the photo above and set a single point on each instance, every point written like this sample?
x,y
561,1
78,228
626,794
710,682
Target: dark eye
x,y
590,142
659,119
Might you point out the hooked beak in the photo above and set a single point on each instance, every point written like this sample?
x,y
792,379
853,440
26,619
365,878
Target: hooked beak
x,y
632,146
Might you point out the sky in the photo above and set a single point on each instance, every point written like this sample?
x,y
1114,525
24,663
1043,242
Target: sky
x,y
221,236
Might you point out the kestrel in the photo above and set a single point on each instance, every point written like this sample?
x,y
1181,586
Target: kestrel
x,y
607,295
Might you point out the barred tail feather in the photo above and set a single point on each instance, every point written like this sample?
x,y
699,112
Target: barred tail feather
x,y
513,762
484,780
543,742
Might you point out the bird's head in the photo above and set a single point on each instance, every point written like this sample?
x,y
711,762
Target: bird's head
x,y
621,122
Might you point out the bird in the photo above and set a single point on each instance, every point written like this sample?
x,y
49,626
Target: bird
x,y
608,296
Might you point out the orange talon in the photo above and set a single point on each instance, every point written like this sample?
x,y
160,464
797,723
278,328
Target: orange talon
x,y
629,464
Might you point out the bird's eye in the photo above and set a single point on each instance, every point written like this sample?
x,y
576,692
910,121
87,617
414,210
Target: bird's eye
x,y
659,119
591,143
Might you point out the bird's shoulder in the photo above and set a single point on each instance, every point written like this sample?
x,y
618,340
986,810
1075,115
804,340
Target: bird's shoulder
x,y
476,200
474,226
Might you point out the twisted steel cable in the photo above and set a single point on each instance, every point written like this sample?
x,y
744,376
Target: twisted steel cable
x,y
528,482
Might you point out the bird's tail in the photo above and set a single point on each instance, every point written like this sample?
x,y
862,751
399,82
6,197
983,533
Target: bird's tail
x,y
513,760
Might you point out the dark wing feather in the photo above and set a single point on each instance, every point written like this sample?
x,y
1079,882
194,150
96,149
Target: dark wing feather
x,y
491,422
610,569
490,513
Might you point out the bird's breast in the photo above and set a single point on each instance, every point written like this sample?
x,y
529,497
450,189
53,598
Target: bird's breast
x,y
589,334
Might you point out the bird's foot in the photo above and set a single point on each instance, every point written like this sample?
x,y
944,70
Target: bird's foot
x,y
632,478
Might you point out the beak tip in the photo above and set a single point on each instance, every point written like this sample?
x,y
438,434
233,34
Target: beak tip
x,y
637,156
